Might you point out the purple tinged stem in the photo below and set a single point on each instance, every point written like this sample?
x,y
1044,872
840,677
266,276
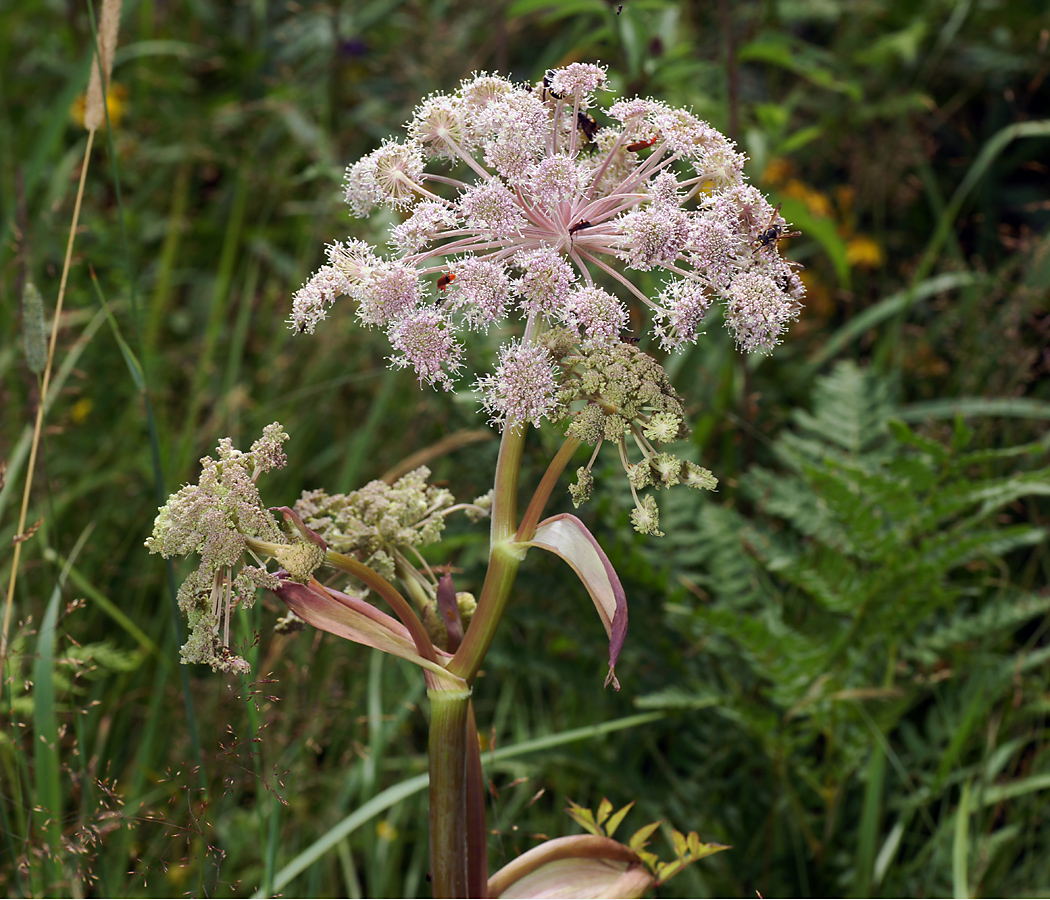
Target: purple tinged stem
x,y
388,592
447,750
527,529
477,835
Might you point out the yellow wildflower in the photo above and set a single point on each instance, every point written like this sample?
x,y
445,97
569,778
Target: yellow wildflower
x,y
863,252
116,105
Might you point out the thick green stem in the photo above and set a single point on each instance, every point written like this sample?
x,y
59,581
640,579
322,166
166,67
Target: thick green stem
x,y
505,485
457,805
457,842
503,568
449,712
504,559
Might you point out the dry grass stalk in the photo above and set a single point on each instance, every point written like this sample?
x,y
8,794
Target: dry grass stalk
x,y
108,27
94,117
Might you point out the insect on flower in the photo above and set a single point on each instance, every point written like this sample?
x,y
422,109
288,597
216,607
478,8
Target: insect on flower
x,y
547,92
640,145
772,233
531,185
587,124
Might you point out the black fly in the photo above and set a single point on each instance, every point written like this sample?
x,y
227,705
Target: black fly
x,y
579,226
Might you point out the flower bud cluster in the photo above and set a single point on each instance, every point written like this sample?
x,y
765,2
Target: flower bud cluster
x,y
380,523
618,393
540,199
222,518
437,630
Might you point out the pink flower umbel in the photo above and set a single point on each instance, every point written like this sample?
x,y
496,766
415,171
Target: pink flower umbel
x,y
524,388
544,212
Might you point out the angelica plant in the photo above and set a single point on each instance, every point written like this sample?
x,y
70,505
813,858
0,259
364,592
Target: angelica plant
x,y
518,211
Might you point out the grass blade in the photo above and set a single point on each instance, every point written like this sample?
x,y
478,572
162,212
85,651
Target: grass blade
x,y
895,304
870,817
950,407
960,844
108,607
48,800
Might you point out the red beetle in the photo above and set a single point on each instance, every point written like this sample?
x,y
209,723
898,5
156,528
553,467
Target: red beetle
x,y
641,145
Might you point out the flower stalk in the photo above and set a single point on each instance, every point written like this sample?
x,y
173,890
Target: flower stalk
x,y
391,594
449,714
504,559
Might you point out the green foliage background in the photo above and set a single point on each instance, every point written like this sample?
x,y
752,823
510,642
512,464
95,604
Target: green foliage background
x,y
842,656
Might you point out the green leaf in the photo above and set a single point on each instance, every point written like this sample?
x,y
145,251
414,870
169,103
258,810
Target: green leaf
x,y
799,139
130,359
998,793
651,860
665,871
641,837
949,407
892,306
804,60
676,698
820,229
616,818
961,844
903,45
584,818
709,850
870,820
678,841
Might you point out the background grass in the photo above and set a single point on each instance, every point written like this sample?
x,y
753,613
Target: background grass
x,y
844,651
